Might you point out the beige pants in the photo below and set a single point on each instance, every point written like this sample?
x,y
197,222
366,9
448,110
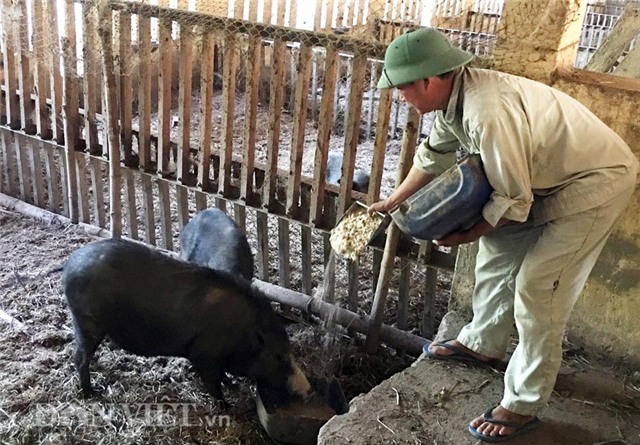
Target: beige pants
x,y
532,276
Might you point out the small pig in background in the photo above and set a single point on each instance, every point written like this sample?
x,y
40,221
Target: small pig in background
x,y
334,173
212,239
151,304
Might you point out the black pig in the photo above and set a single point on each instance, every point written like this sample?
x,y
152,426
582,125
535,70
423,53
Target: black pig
x,y
212,239
334,173
151,304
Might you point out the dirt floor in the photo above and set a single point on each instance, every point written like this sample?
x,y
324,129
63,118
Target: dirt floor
x,y
159,400
142,400
432,402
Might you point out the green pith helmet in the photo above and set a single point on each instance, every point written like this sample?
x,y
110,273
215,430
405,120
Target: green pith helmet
x,y
419,54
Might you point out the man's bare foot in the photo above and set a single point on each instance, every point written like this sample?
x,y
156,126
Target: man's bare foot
x,y
438,349
487,428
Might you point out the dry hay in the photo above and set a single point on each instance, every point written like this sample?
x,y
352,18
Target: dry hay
x,y
141,400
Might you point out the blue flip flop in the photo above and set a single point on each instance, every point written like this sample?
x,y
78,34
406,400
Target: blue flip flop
x,y
519,429
458,354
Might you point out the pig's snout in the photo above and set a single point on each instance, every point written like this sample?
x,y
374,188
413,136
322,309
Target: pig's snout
x,y
298,383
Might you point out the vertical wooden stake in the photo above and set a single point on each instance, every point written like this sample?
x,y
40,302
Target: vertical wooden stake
x,y
393,236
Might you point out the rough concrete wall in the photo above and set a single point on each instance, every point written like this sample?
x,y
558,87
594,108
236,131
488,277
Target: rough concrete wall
x,y
606,316
535,36
534,43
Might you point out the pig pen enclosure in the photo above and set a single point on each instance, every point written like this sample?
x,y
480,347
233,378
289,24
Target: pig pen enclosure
x,y
129,118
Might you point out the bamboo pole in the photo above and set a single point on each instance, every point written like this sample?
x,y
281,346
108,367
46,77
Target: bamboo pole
x,y
395,338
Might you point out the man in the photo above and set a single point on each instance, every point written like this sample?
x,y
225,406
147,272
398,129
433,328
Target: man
x,y
561,179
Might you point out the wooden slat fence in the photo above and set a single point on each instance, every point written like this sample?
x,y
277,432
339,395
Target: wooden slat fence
x,y
168,141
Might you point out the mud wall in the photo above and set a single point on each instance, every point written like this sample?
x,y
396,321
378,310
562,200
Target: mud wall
x,y
538,39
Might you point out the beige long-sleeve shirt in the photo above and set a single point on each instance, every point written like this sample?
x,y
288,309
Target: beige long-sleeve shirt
x,y
537,144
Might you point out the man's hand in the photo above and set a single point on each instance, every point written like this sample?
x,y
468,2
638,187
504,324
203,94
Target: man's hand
x,y
383,206
456,238
468,236
413,182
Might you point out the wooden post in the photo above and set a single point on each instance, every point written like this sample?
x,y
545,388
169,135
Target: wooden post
x,y
228,110
275,108
97,187
300,121
317,20
71,104
206,101
429,311
238,9
144,92
148,213
404,294
352,131
130,197
267,12
109,93
10,74
166,231
284,256
253,11
393,236
35,166
40,25
263,244
126,86
293,13
25,79
380,144
184,99
254,53
53,187
53,62
21,165
166,48
282,5
324,136
8,162
92,74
